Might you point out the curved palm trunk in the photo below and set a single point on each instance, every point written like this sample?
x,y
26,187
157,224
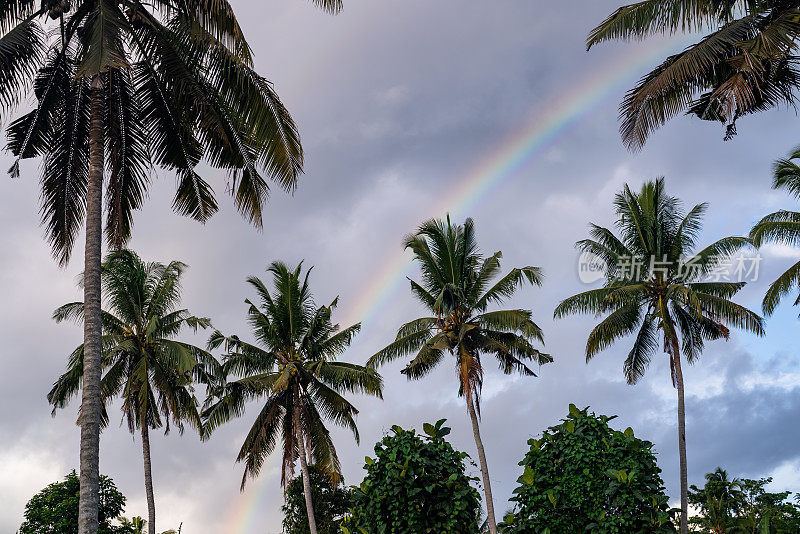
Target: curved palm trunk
x,y
89,500
312,520
682,447
148,481
487,485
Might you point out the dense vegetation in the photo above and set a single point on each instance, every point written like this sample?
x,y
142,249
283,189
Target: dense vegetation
x,y
582,476
742,506
54,510
416,483
332,501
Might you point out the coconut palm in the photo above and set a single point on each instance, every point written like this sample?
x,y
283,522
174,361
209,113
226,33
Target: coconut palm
x,y
127,86
293,366
144,364
744,64
458,287
781,227
658,289
719,502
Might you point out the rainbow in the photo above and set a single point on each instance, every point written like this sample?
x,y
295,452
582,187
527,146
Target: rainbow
x,y
518,151
489,174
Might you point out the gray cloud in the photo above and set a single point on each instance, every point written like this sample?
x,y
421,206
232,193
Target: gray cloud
x,y
397,103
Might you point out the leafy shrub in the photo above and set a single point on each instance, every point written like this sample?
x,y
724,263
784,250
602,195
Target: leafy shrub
x,y
54,510
417,484
583,476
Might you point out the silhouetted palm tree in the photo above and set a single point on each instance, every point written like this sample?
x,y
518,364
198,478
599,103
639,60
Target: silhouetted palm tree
x,y
293,366
457,289
143,363
782,227
127,86
663,302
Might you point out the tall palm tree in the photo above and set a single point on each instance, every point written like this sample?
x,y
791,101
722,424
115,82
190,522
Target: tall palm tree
x,y
151,371
293,366
746,63
782,227
667,300
457,288
126,86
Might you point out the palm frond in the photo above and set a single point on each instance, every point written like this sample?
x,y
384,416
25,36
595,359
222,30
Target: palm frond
x,y
781,227
22,52
617,324
347,377
506,286
649,17
644,346
780,287
428,356
512,321
400,347
591,301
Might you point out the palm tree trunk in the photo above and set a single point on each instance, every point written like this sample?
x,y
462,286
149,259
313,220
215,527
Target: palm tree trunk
x,y
148,480
312,520
89,499
682,447
487,485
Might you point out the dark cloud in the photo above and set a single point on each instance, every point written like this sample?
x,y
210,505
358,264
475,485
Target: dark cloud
x,y
397,103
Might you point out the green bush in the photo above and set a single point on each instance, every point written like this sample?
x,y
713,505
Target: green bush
x,y
417,484
584,477
54,510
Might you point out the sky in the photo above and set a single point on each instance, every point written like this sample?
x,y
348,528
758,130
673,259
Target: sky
x,y
409,110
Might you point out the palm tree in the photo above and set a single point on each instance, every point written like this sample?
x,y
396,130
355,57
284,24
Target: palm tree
x,y
151,371
720,502
127,86
781,227
293,366
456,290
745,64
665,301
134,525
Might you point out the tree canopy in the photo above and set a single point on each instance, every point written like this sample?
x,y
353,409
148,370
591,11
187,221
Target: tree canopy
x,y
582,476
54,510
416,484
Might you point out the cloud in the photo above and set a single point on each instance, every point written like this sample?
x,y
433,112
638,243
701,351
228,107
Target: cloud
x,y
396,103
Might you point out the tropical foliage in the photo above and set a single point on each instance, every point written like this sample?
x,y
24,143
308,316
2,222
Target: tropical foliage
x,y
166,84
783,228
415,484
293,367
332,501
584,476
667,301
742,506
458,287
125,87
54,510
144,364
745,63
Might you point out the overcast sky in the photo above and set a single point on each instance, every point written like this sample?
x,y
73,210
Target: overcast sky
x,y
398,103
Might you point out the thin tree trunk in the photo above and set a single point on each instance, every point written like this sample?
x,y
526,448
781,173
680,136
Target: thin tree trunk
x,y
148,480
89,499
487,485
312,520
682,447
